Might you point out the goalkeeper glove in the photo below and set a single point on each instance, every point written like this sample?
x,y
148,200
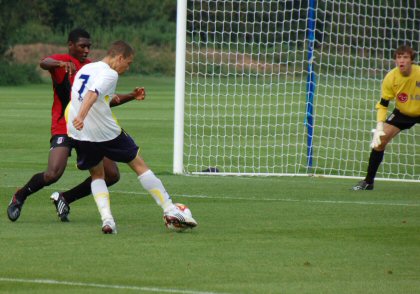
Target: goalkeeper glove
x,y
379,132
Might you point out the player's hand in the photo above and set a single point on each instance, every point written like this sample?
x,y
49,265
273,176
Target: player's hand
x,y
139,93
78,124
378,133
68,67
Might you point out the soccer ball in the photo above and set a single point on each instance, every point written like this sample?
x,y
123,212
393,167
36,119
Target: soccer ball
x,y
172,223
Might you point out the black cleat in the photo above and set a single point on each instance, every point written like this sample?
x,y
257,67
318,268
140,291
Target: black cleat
x,y
362,185
14,208
61,206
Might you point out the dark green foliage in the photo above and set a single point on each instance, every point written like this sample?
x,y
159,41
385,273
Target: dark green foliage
x,y
148,25
108,14
154,45
26,21
34,32
18,74
19,18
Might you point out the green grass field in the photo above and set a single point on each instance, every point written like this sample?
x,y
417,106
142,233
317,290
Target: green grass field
x,y
255,235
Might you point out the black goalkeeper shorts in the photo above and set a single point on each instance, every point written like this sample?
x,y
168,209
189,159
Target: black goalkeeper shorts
x,y
402,121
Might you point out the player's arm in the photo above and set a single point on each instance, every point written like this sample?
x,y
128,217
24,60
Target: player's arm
x,y
387,94
50,63
382,109
88,100
137,94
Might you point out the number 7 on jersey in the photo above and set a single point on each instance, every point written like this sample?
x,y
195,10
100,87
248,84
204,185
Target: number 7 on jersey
x,y
85,79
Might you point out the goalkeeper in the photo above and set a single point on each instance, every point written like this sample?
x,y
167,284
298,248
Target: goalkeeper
x,y
402,84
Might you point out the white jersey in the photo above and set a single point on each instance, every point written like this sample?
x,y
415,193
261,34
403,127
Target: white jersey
x,y
100,124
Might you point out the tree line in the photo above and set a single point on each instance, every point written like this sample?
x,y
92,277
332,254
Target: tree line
x,y
25,20
150,25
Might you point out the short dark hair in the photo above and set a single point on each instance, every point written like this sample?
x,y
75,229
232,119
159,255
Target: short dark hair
x,y
76,34
120,47
405,49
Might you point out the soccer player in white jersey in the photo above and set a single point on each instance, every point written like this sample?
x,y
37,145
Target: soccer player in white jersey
x,y
97,134
401,84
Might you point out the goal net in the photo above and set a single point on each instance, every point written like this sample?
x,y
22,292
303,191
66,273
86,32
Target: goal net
x,y
289,87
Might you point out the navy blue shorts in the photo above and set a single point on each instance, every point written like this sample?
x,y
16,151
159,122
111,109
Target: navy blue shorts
x,y
401,121
121,149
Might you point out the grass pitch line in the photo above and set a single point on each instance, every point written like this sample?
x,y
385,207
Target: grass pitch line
x,y
105,286
279,199
306,201
258,198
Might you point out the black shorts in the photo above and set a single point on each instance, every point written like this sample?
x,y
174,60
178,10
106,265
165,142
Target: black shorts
x,y
402,121
121,149
61,141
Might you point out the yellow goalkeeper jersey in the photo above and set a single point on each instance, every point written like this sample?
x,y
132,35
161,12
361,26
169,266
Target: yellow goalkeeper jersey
x,y
405,90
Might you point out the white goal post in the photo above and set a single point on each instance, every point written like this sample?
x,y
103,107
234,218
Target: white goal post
x,y
288,87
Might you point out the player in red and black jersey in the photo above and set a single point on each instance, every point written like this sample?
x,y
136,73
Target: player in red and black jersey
x,y
63,68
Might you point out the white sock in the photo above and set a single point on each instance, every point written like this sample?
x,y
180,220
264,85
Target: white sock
x,y
101,195
155,187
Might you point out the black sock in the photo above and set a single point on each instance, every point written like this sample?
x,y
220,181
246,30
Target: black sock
x,y
80,191
35,184
84,189
375,160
